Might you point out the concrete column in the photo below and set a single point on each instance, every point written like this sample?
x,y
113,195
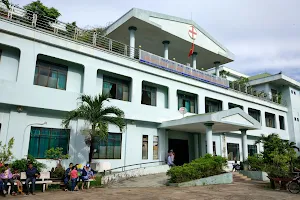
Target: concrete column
x,y
217,65
194,59
244,144
27,65
89,81
196,145
173,101
203,145
136,91
132,30
166,49
209,141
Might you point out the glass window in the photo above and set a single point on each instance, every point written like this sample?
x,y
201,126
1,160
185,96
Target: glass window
x,y
214,148
149,95
254,113
270,120
252,150
116,88
43,139
281,122
50,75
212,105
187,101
145,147
232,105
155,148
109,148
233,151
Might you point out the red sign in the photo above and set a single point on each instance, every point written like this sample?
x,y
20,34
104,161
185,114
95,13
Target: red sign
x,y
193,33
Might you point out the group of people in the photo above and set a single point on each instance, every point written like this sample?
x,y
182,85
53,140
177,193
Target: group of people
x,y
74,175
6,176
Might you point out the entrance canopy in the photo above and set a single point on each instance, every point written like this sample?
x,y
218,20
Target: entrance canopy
x,y
224,121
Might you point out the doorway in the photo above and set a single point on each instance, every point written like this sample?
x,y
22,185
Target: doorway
x,y
181,150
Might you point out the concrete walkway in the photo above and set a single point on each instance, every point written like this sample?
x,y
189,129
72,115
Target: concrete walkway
x,y
154,180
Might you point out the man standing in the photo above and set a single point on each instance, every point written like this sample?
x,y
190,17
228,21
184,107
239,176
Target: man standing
x,y
171,159
67,176
32,174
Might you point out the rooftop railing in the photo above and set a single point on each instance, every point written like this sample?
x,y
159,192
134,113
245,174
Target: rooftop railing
x,y
96,39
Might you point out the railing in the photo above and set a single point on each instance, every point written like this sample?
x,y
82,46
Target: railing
x,y
123,168
58,28
248,90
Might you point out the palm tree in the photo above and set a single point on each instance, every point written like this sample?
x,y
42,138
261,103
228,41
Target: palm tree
x,y
5,2
97,117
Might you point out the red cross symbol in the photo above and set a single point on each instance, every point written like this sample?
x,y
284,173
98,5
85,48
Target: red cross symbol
x,y
192,33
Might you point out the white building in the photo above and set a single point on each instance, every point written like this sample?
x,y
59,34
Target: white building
x,y
44,69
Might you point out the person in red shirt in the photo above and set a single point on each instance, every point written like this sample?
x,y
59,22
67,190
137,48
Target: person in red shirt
x,y
73,176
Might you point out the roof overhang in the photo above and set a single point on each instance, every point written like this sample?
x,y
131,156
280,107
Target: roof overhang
x,y
277,79
153,28
224,121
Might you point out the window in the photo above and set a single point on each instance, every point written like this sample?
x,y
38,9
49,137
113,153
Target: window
x,y
50,75
188,101
274,95
155,148
116,88
109,148
232,105
42,139
214,148
233,151
0,54
254,113
270,120
149,95
145,147
252,150
212,105
281,122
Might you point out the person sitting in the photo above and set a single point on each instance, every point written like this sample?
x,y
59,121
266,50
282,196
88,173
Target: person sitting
x,y
67,176
17,177
32,174
2,191
235,166
6,177
87,173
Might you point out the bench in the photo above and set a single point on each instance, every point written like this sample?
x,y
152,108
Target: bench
x,y
43,180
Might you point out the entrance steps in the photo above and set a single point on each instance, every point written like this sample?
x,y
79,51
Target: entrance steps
x,y
237,177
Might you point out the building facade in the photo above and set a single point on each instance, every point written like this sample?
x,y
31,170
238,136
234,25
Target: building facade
x,y
44,67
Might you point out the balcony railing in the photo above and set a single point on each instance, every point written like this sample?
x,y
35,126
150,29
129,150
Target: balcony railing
x,y
97,40
249,90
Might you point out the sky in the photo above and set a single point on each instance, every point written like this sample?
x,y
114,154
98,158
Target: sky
x,y
263,35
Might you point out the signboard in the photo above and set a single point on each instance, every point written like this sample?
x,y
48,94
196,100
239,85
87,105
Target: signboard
x,y
182,111
192,33
171,66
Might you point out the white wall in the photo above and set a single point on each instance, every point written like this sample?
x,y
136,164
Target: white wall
x,y
9,63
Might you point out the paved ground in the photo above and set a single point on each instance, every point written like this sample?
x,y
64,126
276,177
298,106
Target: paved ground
x,y
147,188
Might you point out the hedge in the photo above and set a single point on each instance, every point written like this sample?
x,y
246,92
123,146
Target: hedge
x,y
200,168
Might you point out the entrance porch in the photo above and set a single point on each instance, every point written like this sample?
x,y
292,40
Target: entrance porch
x,y
198,131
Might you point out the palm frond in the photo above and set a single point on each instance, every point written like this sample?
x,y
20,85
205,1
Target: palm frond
x,y
119,122
112,110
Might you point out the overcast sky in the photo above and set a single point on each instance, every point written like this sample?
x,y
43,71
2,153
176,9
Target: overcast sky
x,y
264,35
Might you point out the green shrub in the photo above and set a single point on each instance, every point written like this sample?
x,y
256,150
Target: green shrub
x,y
97,182
58,172
200,168
21,164
256,162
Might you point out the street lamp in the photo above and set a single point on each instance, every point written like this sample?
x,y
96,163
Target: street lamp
x,y
41,124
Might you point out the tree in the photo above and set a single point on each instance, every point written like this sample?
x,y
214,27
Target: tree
x,y
40,9
6,3
56,154
5,151
97,117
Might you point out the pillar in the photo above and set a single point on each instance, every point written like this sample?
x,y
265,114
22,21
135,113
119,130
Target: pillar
x,y
244,144
196,144
203,145
132,30
209,142
166,49
194,59
217,65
